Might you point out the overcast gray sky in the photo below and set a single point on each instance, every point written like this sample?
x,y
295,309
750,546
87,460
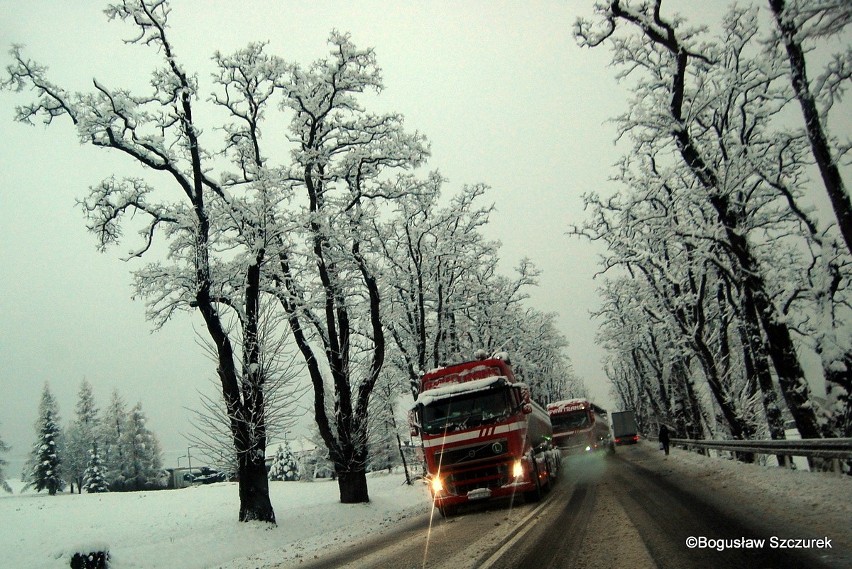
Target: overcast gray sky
x,y
500,89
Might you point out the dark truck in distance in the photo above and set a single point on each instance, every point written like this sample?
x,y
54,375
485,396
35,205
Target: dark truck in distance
x,y
624,428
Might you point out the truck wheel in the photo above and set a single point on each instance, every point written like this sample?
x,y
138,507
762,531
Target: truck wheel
x,y
534,495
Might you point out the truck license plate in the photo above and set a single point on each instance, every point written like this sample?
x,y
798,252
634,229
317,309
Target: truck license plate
x,y
479,494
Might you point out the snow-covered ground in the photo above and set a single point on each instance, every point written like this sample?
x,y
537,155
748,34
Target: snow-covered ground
x,y
196,527
808,503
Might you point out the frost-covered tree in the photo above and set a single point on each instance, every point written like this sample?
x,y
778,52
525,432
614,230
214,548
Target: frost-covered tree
x,y
429,255
799,24
45,460
113,428
81,437
217,239
284,466
327,275
142,454
713,106
4,448
447,299
650,362
95,476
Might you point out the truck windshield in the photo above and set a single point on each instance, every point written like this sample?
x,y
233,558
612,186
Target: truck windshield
x,y
570,421
465,411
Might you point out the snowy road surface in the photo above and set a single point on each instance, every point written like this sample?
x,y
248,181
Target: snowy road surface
x,y
631,510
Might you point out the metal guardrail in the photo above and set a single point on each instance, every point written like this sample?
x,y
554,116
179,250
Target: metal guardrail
x,y
820,448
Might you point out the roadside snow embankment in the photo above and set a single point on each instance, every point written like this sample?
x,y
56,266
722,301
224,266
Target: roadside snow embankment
x,y
810,504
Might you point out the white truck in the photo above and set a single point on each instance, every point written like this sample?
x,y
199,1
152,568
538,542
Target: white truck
x,y
624,428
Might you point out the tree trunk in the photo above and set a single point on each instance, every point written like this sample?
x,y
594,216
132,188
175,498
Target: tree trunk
x,y
779,344
352,484
254,489
404,462
754,349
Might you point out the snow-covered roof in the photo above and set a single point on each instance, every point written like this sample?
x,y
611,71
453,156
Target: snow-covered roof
x,y
449,390
567,405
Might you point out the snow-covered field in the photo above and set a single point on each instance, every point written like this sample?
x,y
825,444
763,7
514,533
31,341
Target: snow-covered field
x,y
196,527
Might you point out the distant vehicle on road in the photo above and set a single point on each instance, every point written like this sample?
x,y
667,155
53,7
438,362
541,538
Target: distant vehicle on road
x,y
580,426
205,475
624,428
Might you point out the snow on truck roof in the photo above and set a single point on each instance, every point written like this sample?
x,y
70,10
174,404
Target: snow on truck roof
x,y
451,389
448,391
568,405
465,377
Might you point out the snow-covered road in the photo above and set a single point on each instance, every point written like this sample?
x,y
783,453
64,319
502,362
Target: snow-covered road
x,y
636,510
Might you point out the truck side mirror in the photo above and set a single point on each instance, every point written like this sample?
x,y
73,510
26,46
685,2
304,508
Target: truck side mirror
x,y
413,425
526,401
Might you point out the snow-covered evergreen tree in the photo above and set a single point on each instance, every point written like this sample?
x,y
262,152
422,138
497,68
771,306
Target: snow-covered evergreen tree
x,y
142,454
113,426
45,461
3,484
276,471
284,466
81,437
94,478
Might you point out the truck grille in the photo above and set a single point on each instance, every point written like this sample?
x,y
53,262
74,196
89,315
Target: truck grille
x,y
481,451
492,475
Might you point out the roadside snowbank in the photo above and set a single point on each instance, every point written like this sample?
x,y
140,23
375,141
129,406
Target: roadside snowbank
x,y
810,504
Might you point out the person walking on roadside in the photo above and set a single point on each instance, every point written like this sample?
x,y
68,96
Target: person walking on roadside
x,y
664,438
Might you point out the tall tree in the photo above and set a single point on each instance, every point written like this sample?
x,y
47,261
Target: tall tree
x,y
142,454
159,131
327,277
45,460
429,252
447,299
112,435
4,448
719,161
82,436
797,21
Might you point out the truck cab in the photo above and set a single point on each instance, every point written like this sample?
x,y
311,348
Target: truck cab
x,y
580,426
482,435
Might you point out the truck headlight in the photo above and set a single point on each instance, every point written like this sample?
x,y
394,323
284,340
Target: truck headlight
x,y
437,485
518,469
